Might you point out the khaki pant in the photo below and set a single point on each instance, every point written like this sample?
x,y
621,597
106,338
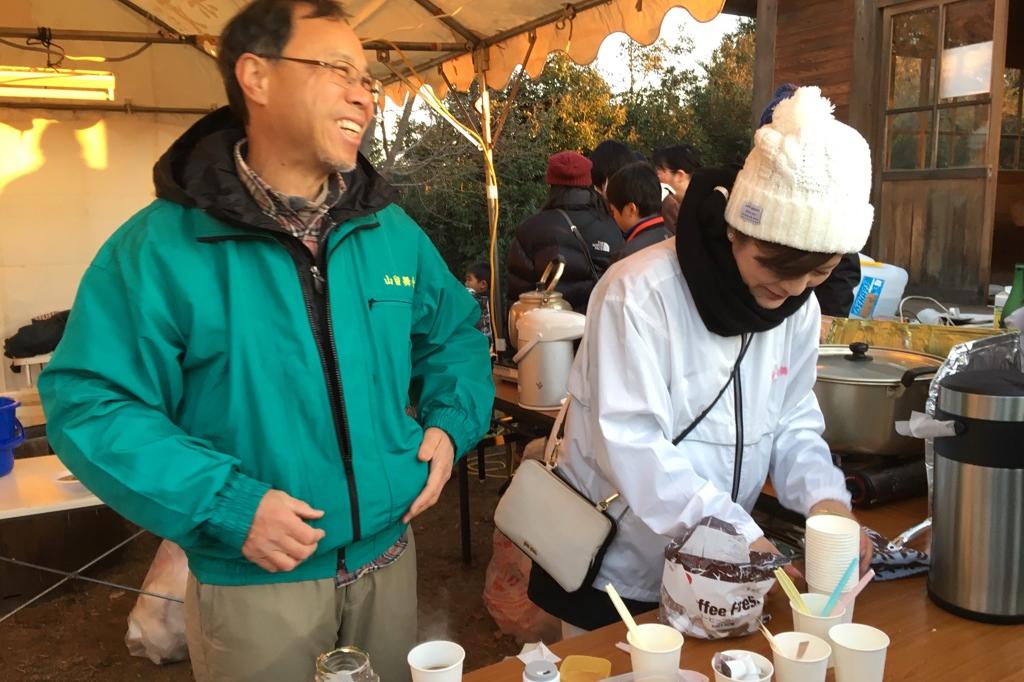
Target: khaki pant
x,y
273,633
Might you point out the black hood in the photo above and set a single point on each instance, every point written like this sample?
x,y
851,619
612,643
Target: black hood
x,y
198,170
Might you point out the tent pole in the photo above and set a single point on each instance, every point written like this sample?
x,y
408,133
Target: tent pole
x,y
491,183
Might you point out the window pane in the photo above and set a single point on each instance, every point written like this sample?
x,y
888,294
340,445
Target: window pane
x,y
967,50
963,132
1011,100
1008,152
909,140
914,42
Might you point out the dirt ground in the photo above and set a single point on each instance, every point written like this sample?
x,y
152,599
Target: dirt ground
x,y
77,633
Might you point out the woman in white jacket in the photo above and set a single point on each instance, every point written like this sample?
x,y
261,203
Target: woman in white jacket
x,y
665,330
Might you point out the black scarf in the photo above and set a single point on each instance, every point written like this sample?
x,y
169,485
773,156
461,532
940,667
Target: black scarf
x,y
705,255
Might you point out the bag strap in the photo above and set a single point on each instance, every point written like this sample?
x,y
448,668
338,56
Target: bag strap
x,y
554,440
744,345
583,242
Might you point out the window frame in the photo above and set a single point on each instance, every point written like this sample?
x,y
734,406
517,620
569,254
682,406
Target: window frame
x,y
936,104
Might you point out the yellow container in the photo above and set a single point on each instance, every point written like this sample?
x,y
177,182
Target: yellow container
x,y
585,669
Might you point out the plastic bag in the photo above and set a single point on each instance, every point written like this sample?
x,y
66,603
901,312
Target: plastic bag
x,y
713,585
508,576
156,627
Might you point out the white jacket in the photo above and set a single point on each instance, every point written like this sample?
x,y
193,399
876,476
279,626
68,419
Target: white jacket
x,y
647,367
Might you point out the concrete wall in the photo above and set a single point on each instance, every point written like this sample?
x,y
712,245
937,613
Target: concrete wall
x,y
69,179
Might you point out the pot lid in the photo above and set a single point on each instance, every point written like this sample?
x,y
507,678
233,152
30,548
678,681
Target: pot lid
x,y
861,364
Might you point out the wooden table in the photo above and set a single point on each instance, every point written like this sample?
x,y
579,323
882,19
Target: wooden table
x,y
927,642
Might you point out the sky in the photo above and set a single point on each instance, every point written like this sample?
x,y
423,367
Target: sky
x,y
706,38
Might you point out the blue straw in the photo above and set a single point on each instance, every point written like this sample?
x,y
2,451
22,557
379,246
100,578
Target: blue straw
x,y
836,593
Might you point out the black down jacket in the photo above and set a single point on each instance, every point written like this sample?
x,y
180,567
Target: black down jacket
x,y
546,235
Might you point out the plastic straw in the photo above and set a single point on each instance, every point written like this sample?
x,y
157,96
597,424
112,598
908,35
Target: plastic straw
x,y
836,593
848,598
790,589
624,613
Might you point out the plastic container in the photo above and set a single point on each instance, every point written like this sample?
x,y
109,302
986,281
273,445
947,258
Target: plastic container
x,y
12,434
10,427
540,671
1015,299
880,290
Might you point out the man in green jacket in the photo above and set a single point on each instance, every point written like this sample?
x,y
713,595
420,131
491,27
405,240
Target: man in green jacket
x,y
243,356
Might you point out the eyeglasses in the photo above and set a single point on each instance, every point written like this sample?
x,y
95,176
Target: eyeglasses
x,y
344,72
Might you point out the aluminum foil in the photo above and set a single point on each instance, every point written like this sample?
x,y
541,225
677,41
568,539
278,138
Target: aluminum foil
x,y
1005,351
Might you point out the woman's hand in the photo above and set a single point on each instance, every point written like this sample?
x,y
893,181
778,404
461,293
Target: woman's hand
x,y
763,544
867,549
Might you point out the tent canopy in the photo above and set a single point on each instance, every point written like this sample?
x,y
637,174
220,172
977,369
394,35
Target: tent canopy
x,y
422,35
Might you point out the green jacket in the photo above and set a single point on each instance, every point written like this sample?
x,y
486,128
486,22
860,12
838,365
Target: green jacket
x,y
209,357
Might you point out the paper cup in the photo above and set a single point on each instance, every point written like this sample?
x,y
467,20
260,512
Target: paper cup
x,y
811,668
830,544
437,661
860,652
657,659
819,590
764,666
815,624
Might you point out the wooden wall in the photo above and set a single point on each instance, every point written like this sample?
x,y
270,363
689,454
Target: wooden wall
x,y
814,46
932,232
1008,232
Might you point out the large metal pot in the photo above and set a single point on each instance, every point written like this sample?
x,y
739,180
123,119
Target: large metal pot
x,y
863,391
544,296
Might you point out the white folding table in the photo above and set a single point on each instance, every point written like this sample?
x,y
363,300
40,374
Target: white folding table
x,y
33,488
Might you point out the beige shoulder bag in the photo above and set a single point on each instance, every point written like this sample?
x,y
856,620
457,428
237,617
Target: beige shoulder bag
x,y
561,530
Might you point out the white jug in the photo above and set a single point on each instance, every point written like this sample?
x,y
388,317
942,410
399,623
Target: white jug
x,y
545,355
880,290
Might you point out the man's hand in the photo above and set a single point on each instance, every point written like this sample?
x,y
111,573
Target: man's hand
x,y
867,550
279,538
436,448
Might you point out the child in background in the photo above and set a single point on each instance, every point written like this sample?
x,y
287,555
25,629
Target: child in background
x,y
478,281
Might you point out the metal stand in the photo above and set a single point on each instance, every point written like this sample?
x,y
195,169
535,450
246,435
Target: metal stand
x,y
76,575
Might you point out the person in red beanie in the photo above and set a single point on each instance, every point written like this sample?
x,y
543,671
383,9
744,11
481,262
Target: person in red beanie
x,y
573,224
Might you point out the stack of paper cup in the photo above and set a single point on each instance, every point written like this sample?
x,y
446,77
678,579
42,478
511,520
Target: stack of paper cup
x,y
830,544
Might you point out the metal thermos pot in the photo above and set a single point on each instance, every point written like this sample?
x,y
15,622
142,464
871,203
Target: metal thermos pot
x,y
978,508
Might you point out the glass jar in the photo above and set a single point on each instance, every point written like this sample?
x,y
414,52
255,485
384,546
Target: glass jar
x,y
347,664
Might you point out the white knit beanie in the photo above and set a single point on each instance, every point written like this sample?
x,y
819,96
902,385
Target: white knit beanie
x,y
807,182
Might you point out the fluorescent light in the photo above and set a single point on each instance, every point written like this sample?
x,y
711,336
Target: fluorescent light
x,y
41,83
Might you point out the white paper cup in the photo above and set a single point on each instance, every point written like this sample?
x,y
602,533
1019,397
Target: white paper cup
x,y
658,659
817,589
815,624
764,666
860,652
811,668
437,661
830,543
832,526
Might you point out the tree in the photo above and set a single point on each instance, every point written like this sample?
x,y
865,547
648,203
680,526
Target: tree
x,y
719,104
655,111
440,174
